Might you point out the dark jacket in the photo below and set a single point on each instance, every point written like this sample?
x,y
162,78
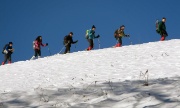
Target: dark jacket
x,y
9,49
162,28
119,33
68,40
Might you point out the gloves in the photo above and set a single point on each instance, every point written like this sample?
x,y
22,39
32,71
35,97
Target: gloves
x,y
127,35
76,41
46,44
98,36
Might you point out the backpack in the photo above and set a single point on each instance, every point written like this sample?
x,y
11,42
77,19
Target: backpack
x,y
4,49
65,40
157,26
87,34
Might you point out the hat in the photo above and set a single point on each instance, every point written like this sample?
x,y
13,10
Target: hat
x,y
10,43
122,26
163,18
71,33
93,26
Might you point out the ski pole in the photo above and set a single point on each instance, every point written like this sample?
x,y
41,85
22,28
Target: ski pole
x,y
63,47
130,40
49,51
75,47
99,43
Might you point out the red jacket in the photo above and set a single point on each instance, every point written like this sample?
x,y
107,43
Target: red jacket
x,y
38,45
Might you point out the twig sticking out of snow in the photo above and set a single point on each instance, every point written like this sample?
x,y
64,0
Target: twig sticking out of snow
x,y
145,77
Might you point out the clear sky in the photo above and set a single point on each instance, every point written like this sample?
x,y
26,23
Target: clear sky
x,y
21,21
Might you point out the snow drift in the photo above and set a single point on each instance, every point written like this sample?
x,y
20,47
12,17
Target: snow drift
x,y
105,78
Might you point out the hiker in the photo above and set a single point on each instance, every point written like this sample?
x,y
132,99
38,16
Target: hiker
x,y
7,51
37,47
162,29
68,40
118,34
90,37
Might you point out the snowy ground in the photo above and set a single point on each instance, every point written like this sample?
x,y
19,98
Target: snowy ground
x,y
105,78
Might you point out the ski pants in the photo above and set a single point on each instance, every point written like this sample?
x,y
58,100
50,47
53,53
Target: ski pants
x,y
7,57
91,44
162,38
37,52
68,47
119,41
163,35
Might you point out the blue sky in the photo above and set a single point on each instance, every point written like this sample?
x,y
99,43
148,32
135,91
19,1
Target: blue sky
x,y
21,21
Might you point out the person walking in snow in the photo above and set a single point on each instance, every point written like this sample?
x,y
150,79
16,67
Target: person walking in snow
x,y
162,29
37,47
7,51
90,37
118,34
68,40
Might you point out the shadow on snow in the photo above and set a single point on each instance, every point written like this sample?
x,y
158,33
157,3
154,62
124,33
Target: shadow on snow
x,y
131,94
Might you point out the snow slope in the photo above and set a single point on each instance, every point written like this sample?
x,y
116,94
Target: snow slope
x,y
105,78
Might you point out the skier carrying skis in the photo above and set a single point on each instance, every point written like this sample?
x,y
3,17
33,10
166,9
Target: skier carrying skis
x,y
68,40
37,47
7,51
162,29
91,36
118,34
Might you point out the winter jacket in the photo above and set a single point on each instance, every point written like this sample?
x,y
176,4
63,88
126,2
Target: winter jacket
x,y
91,34
68,40
38,45
9,49
162,28
119,33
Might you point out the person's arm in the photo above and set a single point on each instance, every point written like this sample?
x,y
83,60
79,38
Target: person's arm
x,y
122,34
125,35
97,36
73,42
164,29
44,44
9,49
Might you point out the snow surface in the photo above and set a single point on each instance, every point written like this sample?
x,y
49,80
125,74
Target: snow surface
x,y
105,78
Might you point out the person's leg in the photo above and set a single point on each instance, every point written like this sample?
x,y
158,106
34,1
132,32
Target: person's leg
x,y
9,59
67,50
39,53
90,44
119,42
162,38
5,59
35,54
163,35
